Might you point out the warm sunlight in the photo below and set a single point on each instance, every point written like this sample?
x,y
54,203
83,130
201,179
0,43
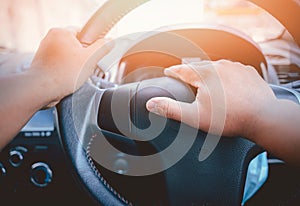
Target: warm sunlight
x,y
158,13
25,23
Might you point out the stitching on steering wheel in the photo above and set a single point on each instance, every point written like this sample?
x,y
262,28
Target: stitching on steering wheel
x,y
88,155
116,20
102,179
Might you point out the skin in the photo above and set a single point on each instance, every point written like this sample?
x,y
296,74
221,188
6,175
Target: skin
x,y
233,100
58,69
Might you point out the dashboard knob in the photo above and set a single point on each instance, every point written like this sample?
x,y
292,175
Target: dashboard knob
x,y
41,174
2,171
15,158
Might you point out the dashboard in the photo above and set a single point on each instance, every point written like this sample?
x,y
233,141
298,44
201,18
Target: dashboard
x,y
33,169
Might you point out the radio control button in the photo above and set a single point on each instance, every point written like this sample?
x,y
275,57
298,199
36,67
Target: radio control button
x,y
2,171
41,174
16,155
15,158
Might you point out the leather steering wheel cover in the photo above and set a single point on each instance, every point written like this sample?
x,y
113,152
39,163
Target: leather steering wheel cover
x,y
105,18
100,190
88,178
76,154
286,11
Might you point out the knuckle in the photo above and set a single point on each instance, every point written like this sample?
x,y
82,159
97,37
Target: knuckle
x,y
251,69
55,30
59,32
223,62
164,106
167,109
170,112
240,65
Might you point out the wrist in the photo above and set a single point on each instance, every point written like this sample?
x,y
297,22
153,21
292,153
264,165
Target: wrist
x,y
261,120
44,86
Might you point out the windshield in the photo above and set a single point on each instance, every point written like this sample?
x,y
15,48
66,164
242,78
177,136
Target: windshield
x,y
24,23
239,14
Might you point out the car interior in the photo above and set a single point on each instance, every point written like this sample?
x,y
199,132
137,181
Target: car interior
x,y
100,145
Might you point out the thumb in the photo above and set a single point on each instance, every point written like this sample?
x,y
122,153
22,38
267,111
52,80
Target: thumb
x,y
173,109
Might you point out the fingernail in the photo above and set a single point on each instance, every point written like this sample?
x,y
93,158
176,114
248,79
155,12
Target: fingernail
x,y
150,105
170,72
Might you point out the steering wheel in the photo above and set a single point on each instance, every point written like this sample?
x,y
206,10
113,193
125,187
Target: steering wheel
x,y
120,154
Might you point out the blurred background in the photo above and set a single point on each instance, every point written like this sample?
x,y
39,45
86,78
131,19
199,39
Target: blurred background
x,y
24,23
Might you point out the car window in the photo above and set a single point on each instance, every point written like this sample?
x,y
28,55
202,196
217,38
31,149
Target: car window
x,y
24,23
239,14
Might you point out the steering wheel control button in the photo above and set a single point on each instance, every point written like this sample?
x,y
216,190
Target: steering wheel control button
x,y
41,174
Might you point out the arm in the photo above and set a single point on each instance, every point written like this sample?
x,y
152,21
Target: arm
x,y
60,66
233,100
278,131
21,96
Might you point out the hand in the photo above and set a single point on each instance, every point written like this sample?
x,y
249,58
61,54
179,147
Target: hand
x,y
64,64
230,97
60,66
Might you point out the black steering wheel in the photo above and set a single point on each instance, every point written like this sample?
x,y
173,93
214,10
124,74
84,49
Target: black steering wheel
x,y
120,154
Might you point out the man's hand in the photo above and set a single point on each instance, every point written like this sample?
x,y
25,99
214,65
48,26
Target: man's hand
x,y
233,100
60,66
64,63
229,97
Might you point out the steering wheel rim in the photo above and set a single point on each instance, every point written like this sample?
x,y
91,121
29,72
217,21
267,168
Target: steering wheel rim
x,y
115,9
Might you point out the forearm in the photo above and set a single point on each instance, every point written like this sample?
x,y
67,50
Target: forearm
x,y
21,95
278,130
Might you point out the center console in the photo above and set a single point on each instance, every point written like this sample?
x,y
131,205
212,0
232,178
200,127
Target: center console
x,y
33,170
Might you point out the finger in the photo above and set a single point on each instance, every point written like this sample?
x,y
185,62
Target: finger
x,y
192,74
64,36
173,109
